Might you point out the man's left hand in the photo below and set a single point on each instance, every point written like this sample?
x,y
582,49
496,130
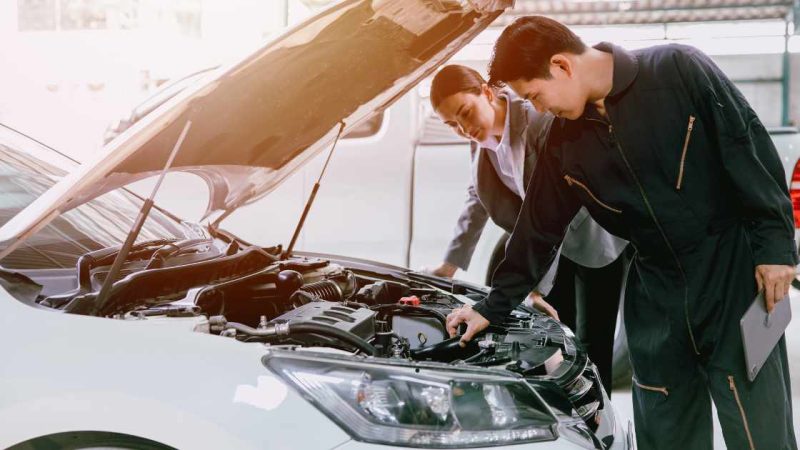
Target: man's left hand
x,y
775,281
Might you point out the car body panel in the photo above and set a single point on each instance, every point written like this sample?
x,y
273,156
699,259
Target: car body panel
x,y
179,388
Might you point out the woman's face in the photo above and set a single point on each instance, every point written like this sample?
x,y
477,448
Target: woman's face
x,y
470,115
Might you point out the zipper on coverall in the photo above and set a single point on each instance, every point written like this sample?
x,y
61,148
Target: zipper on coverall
x,y
683,153
735,391
571,181
615,143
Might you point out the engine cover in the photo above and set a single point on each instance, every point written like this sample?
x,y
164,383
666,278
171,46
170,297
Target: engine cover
x,y
360,322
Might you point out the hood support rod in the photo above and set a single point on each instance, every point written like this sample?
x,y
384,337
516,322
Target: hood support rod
x,y
102,297
311,197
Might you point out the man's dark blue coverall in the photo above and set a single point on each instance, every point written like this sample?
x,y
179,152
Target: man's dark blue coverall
x,y
683,168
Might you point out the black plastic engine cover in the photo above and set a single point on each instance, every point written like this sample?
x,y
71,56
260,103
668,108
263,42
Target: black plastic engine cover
x,y
360,322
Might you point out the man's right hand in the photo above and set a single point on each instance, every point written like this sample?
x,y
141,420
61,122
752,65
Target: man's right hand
x,y
775,281
445,270
475,323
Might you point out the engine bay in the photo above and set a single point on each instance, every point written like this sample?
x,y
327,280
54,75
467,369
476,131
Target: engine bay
x,y
358,308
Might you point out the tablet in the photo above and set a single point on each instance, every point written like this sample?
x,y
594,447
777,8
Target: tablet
x,y
761,331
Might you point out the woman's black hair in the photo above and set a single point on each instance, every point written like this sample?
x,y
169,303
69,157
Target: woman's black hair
x,y
453,79
524,49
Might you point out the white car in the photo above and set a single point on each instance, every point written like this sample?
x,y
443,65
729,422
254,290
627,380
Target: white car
x,y
191,338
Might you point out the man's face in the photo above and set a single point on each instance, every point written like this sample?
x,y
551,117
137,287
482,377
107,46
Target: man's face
x,y
560,95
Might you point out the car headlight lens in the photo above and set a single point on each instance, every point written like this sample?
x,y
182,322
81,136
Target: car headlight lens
x,y
400,404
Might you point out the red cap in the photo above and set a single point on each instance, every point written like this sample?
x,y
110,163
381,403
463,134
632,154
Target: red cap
x,y
410,301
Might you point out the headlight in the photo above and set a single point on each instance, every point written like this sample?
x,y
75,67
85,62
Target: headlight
x,y
418,406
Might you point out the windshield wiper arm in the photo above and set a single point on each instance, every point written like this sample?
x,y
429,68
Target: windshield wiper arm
x,y
105,256
20,286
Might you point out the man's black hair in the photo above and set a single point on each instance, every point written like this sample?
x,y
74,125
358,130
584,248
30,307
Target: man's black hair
x,y
524,49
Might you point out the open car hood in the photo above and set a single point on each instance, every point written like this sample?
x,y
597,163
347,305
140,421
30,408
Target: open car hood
x,y
256,122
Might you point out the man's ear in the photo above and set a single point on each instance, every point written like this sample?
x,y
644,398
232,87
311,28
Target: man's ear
x,y
560,63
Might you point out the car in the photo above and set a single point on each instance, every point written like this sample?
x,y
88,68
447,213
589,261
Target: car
x,y
125,326
787,142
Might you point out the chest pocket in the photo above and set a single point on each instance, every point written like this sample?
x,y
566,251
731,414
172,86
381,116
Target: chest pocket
x,y
576,183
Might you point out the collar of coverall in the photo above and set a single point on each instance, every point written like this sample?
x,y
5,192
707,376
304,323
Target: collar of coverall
x,y
626,66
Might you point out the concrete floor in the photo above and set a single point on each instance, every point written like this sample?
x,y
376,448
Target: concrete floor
x,y
622,397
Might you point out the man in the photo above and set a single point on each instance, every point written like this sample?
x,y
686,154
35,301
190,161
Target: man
x,y
664,151
506,136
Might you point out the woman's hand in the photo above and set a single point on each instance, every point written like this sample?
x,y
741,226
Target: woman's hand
x,y
444,269
535,300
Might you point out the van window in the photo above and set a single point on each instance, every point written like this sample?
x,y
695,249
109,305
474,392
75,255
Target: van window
x,y
367,129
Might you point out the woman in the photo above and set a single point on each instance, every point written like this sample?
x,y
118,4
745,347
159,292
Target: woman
x,y
506,135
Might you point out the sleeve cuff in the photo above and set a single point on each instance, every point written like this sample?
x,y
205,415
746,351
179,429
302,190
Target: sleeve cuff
x,y
494,317
782,258
458,261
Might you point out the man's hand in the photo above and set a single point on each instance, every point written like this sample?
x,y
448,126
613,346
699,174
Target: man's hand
x,y
775,281
444,269
535,300
475,323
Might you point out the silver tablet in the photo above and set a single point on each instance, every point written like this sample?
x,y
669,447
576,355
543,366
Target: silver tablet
x,y
762,331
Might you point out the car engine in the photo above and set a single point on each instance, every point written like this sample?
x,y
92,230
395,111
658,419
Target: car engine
x,y
313,302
